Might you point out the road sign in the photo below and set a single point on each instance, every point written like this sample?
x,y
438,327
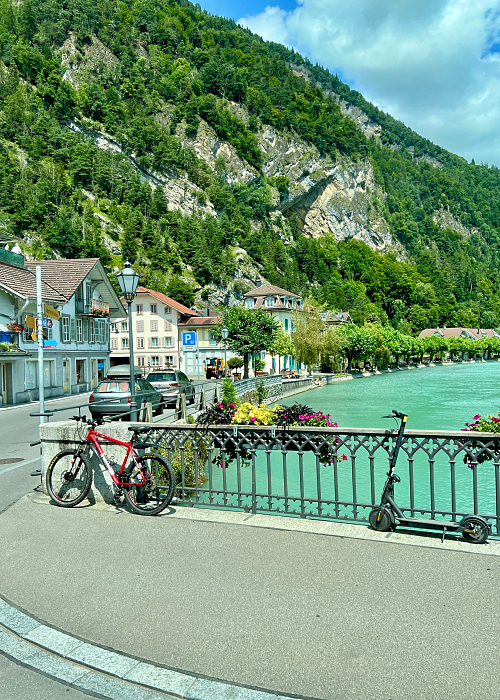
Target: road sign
x,y
189,340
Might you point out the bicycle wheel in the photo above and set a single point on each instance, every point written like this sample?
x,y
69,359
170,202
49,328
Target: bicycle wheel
x,y
153,488
68,479
380,519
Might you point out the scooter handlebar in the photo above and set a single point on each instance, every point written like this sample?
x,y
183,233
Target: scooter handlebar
x,y
396,414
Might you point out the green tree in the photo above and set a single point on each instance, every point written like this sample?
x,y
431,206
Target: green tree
x,y
180,291
250,331
307,337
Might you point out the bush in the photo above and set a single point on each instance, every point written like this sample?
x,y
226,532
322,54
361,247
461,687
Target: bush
x,y
235,362
228,392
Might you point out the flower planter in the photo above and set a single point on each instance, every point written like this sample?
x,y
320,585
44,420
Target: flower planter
x,y
5,337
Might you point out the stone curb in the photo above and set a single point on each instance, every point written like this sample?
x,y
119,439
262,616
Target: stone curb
x,y
102,671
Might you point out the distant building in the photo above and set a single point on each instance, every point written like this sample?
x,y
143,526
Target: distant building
x,y
156,318
204,326
281,304
470,333
335,318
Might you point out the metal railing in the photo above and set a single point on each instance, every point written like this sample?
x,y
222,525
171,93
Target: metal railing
x,y
333,473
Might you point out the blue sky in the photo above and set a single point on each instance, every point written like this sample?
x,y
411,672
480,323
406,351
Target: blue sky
x,y
434,64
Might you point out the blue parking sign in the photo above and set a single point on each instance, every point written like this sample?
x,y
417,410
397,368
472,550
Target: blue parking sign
x,y
189,339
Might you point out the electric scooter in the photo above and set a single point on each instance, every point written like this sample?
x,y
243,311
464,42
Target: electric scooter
x,y
387,515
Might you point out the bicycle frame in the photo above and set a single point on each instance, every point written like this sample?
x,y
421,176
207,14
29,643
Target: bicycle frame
x,y
93,439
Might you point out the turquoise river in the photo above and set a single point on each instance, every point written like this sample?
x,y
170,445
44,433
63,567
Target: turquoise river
x,y
435,398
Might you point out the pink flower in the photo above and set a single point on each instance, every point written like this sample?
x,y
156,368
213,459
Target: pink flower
x,y
335,425
344,458
476,417
232,405
253,418
302,417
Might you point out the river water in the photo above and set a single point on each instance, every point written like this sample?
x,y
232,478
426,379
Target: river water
x,y
435,398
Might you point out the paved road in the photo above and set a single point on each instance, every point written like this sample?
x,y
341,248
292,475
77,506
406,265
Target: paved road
x,y
301,613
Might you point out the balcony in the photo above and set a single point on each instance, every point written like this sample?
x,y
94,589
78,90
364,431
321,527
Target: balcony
x,y
92,307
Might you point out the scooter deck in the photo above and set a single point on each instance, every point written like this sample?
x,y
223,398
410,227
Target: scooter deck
x,y
429,523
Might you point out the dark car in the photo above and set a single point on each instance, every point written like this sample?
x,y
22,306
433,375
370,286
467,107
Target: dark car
x,y
112,395
170,383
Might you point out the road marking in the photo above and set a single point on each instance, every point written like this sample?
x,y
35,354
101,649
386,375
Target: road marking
x,y
22,464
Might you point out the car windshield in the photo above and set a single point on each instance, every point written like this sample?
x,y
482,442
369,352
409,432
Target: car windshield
x,y
113,387
161,377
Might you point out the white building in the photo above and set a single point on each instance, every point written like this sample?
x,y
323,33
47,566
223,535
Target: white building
x,y
281,304
79,300
156,319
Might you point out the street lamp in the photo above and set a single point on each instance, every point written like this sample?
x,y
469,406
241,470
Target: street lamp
x,y
224,333
128,281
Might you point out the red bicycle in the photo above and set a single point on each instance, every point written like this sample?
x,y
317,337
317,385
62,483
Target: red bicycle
x,y
146,481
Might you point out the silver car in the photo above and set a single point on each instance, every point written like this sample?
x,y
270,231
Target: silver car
x,y
170,383
112,395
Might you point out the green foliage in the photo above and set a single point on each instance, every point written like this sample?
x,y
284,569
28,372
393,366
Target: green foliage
x,y
167,65
250,331
228,392
235,362
180,291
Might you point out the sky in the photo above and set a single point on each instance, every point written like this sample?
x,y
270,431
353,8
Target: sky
x,y
433,64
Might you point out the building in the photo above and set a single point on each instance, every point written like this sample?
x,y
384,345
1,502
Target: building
x,y
204,326
470,333
335,318
79,300
156,320
281,304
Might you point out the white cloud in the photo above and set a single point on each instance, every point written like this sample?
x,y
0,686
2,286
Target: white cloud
x,y
434,64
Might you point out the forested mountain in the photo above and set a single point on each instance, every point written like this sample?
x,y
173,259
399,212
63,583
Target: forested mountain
x,y
153,131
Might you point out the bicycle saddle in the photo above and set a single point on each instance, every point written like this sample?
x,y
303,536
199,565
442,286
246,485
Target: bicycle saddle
x,y
138,430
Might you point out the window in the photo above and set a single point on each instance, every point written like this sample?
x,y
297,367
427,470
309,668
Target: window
x,y
212,337
250,303
113,328
168,342
124,343
124,326
169,360
92,331
154,343
153,325
139,326
167,310
79,330
286,324
48,373
65,335
155,361
168,326
153,308
140,361
31,375
140,343
138,309
113,343
270,301
80,371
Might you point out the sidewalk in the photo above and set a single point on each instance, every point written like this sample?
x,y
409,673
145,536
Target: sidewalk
x,y
234,606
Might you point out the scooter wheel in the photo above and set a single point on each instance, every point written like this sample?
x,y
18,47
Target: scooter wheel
x,y
475,531
380,519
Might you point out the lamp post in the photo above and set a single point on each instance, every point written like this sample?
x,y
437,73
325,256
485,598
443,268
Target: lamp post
x,y
128,281
224,333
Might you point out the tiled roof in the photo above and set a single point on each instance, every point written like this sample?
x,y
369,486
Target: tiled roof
x,y
167,300
201,321
267,290
22,281
64,275
474,333
335,316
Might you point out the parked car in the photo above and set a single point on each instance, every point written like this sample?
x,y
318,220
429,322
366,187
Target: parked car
x,y
171,383
112,395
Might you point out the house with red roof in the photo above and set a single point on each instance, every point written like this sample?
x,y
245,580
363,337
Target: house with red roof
x,y
156,318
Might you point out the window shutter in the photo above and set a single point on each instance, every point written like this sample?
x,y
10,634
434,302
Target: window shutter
x,y
72,330
164,342
85,325
150,343
140,326
168,325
